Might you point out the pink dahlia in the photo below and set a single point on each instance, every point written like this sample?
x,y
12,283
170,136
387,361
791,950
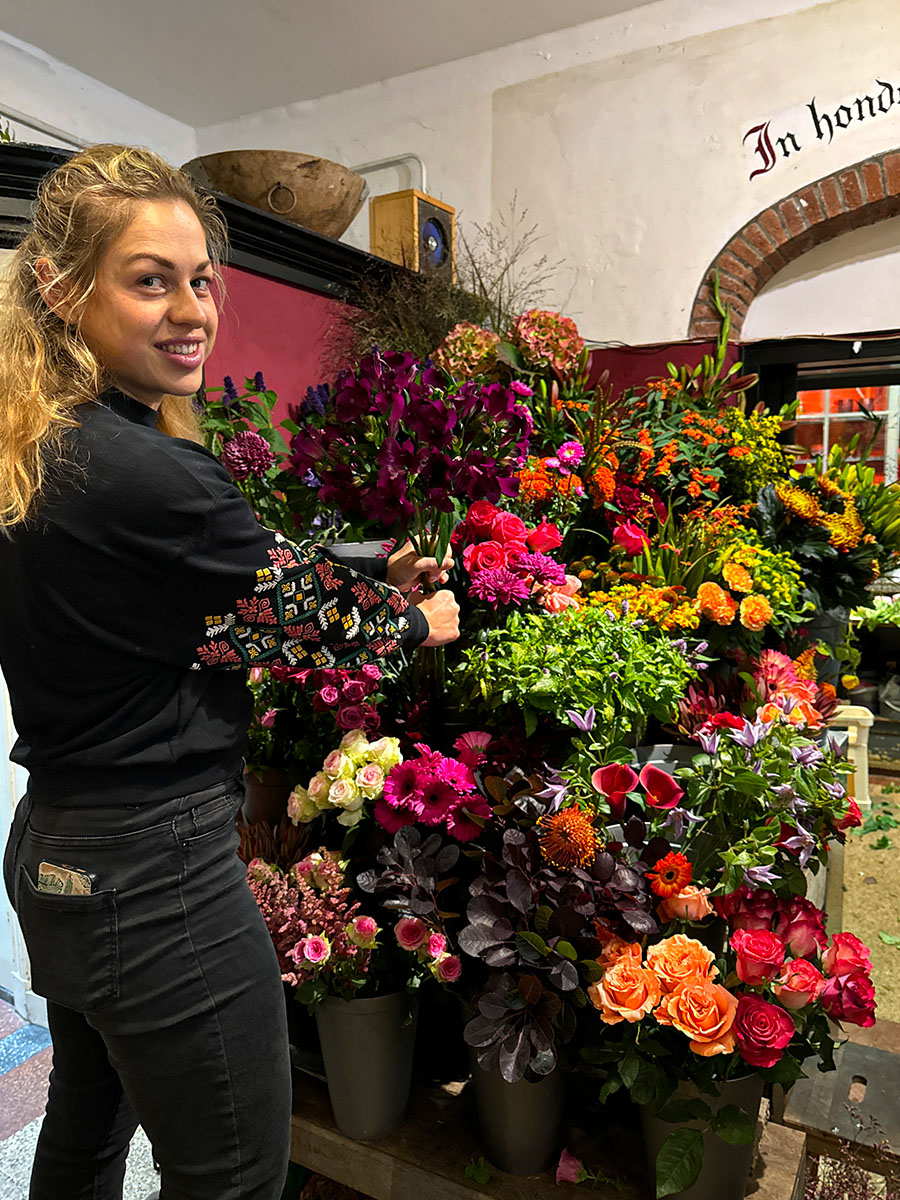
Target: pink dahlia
x,y
246,454
499,587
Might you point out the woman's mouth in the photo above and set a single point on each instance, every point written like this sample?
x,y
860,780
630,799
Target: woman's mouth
x,y
186,354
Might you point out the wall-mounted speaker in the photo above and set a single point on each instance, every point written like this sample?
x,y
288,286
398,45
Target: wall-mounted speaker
x,y
414,230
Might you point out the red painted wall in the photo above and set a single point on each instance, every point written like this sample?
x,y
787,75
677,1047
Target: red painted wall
x,y
632,366
274,327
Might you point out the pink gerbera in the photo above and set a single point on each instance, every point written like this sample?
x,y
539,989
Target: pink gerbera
x,y
457,774
436,798
467,817
401,787
471,747
774,673
391,819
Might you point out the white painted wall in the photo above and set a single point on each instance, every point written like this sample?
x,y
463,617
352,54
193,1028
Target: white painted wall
x,y
38,85
623,137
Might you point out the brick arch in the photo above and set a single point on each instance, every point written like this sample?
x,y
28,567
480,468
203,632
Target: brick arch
x,y
857,196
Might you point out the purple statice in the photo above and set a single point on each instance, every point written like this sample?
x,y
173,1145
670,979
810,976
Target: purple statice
x,y
497,585
542,568
229,391
246,454
259,384
314,402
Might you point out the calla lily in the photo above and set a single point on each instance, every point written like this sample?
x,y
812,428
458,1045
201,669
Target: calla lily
x,y
614,781
661,788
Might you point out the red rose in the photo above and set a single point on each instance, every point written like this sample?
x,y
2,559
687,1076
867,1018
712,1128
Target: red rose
x,y
724,720
544,537
354,691
479,519
506,527
329,695
850,998
851,818
759,954
763,1030
661,788
802,928
631,538
484,556
845,955
798,983
514,551
351,716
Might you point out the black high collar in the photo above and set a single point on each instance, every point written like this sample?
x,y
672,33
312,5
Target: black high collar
x,y
128,407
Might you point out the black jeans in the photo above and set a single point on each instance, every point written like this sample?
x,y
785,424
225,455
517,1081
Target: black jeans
x,y
164,997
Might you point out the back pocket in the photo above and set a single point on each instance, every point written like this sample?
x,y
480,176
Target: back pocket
x,y
73,945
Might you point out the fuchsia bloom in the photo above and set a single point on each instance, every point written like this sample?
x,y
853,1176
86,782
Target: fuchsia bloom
x,y
466,820
499,586
614,782
661,788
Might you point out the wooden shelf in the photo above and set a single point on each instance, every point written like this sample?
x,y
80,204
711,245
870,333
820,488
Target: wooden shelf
x,y
426,1158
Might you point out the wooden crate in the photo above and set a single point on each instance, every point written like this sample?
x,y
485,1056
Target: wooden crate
x,y
426,1158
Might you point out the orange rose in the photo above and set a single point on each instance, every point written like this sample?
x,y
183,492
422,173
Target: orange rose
x,y
615,948
626,992
690,904
769,712
704,1012
679,959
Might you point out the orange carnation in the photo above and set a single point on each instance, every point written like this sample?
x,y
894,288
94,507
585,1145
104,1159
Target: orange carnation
x,y
678,959
704,1012
626,992
690,904
715,603
756,612
737,577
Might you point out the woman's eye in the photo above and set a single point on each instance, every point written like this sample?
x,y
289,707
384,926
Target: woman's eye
x,y
151,281
202,284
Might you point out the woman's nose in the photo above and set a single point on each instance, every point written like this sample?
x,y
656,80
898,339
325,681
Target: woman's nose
x,y
185,308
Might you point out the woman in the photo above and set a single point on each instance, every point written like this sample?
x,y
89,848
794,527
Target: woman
x,y
135,588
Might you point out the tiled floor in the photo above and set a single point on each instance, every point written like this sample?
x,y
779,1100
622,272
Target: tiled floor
x,y
25,1054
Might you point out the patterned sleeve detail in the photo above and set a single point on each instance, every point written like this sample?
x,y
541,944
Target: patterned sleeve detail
x,y
305,611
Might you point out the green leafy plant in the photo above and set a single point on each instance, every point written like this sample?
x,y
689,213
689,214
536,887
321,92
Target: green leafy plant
x,y
6,133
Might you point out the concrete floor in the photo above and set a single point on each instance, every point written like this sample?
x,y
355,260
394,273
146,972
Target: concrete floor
x,y
25,1059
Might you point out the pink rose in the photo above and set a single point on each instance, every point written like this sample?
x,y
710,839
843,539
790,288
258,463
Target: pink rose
x,y
614,781
763,1030
479,520
316,950
318,786
256,674
556,599
351,716
631,538
362,932
371,672
506,527
484,556
260,871
798,983
850,998
748,908
845,955
411,933
354,691
370,780
329,695
691,904
802,927
760,954
544,537
437,945
569,1168
448,969
334,764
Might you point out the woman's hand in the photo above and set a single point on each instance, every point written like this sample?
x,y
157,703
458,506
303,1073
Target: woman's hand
x,y
442,614
406,570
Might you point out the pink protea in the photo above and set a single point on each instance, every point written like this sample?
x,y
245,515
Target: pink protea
x,y
247,453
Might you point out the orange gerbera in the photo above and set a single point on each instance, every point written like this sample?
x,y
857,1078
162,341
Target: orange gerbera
x,y
756,612
669,875
568,839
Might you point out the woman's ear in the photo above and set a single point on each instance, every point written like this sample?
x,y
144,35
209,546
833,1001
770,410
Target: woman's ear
x,y
51,289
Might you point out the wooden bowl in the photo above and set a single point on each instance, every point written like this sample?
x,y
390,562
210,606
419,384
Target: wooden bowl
x,y
313,192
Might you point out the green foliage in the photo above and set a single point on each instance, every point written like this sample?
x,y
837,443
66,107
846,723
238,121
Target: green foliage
x,y
545,664
6,134
882,612
478,1170
679,1161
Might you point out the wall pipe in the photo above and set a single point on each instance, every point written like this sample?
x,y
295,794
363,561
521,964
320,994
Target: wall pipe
x,y
394,161
13,114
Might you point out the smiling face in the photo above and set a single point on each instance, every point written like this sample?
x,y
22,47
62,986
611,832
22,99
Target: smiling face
x,y
151,320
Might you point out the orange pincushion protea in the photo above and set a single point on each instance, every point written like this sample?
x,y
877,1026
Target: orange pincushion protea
x,y
568,839
670,875
715,603
756,612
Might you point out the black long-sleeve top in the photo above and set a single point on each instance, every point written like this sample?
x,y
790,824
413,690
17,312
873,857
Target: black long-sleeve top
x,y
133,602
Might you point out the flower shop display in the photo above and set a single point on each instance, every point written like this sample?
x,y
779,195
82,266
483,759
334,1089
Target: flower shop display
x,y
633,573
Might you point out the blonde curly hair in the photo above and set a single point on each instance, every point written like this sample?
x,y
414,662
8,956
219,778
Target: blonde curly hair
x,y
46,368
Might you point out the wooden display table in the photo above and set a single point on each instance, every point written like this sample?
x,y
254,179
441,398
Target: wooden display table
x,y
426,1158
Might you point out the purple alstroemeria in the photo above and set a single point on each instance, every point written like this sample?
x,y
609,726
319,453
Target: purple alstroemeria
x,y
709,742
752,733
676,819
554,790
807,756
836,791
758,876
584,723
803,842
